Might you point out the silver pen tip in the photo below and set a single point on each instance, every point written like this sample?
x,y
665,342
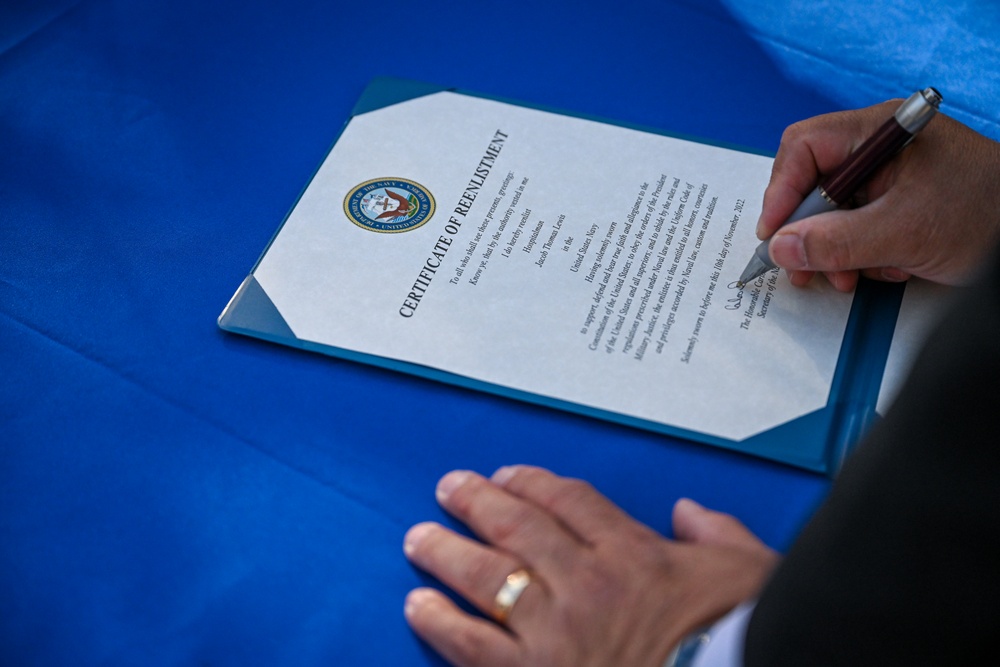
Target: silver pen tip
x,y
755,269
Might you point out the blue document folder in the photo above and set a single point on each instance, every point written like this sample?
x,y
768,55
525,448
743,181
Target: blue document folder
x,y
817,441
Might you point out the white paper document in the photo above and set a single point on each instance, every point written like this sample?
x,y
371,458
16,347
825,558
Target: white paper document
x,y
567,258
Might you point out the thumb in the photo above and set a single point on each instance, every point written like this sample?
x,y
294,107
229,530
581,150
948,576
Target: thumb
x,y
693,523
843,240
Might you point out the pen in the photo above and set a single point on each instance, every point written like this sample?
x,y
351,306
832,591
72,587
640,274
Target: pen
x,y
837,188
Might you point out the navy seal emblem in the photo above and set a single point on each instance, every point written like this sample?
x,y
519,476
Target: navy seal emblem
x,y
389,205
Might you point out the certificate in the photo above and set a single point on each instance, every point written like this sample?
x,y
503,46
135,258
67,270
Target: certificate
x,y
570,262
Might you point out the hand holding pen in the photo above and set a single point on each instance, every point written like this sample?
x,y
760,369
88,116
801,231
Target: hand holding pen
x,y
925,212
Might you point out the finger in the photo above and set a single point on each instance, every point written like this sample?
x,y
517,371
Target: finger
x,y
506,521
800,278
809,149
841,241
462,639
574,502
889,274
780,200
842,281
471,569
696,524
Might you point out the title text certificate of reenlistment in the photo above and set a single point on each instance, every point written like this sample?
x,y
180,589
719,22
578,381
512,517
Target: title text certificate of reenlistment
x,y
558,256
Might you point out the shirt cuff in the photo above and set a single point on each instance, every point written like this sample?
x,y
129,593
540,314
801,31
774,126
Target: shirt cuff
x,y
725,645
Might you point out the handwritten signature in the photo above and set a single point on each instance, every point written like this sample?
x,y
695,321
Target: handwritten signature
x,y
735,302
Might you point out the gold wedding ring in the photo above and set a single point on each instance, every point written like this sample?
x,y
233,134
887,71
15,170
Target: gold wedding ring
x,y
509,593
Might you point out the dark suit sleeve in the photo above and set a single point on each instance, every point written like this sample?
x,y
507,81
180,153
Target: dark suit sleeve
x,y
900,566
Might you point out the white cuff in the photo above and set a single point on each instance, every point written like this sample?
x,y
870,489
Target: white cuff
x,y
725,646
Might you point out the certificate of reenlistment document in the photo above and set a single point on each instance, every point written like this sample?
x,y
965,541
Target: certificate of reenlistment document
x,y
571,262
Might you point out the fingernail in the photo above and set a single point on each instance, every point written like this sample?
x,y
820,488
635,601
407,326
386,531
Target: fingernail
x,y
760,226
788,251
450,482
415,535
503,475
417,598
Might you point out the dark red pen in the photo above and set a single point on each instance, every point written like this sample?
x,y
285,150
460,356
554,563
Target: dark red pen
x,y
838,187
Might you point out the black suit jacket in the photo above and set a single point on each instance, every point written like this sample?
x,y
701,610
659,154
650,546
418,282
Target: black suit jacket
x,y
901,564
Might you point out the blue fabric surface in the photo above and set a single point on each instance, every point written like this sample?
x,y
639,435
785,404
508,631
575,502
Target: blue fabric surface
x,y
171,494
860,53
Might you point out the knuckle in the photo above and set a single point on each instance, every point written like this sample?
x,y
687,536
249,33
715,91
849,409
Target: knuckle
x,y
463,499
506,525
826,251
598,584
840,254
471,646
793,133
601,579
570,493
480,573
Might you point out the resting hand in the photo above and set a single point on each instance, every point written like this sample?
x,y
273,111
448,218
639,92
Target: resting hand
x,y
605,589
933,211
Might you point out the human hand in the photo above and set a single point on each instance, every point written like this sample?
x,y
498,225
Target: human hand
x,y
933,211
605,589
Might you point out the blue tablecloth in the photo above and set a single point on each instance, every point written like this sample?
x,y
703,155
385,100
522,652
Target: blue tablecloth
x,y
171,494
